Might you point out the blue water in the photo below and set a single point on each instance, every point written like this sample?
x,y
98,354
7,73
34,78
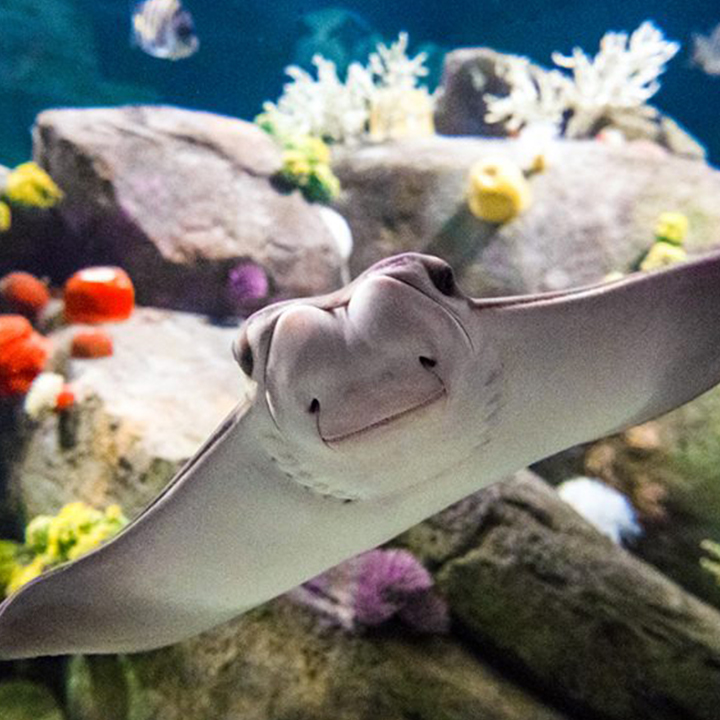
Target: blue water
x,y
245,46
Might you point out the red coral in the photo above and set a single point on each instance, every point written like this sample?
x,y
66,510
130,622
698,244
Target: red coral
x,y
99,294
91,344
24,293
23,354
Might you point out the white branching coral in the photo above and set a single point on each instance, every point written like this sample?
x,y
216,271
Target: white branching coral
x,y
537,96
391,67
326,107
606,89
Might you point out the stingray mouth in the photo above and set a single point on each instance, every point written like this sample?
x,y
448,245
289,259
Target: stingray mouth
x,y
330,438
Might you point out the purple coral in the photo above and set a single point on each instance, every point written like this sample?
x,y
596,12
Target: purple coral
x,y
247,284
374,587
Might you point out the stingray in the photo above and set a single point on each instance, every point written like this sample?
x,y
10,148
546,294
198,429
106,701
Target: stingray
x,y
373,408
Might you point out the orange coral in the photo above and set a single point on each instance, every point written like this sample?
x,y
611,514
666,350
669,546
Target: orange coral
x,y
91,344
24,293
23,354
99,294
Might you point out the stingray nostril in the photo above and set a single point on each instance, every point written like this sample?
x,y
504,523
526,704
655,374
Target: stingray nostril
x,y
442,277
244,355
427,363
314,406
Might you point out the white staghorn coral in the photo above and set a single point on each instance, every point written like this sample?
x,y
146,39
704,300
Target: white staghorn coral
x,y
537,96
339,111
392,68
608,88
324,107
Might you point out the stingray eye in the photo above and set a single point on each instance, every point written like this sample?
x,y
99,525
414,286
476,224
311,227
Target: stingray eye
x,y
244,355
442,277
314,406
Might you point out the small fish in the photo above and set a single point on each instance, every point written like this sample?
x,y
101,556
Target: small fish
x,y
163,29
706,51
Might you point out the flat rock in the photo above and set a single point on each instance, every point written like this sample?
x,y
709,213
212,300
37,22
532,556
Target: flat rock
x,y
593,211
139,414
178,198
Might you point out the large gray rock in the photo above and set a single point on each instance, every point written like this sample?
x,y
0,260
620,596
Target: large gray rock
x,y
469,74
561,604
178,198
593,210
280,662
140,414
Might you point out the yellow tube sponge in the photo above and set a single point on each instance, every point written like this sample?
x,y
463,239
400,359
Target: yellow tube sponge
x,y
498,190
662,254
671,227
29,184
5,217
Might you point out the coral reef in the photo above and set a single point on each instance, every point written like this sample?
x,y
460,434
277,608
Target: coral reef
x,y
672,227
248,285
601,505
5,216
99,294
91,344
306,166
375,587
49,541
497,190
23,293
28,184
671,230
43,394
611,88
328,108
23,354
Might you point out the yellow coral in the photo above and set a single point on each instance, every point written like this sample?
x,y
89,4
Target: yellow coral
x,y
49,541
5,217
29,184
662,254
671,227
498,190
306,165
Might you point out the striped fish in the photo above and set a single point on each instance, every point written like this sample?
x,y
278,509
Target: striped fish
x,y
163,29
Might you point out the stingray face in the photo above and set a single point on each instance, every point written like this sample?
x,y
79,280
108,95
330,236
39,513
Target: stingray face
x,y
376,387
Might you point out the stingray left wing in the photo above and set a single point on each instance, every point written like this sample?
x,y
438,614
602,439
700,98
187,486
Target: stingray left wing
x,y
585,363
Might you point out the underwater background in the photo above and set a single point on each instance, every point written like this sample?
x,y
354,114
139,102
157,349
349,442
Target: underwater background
x,y
148,207
77,52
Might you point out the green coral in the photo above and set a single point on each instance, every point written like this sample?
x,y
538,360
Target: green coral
x,y
49,541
